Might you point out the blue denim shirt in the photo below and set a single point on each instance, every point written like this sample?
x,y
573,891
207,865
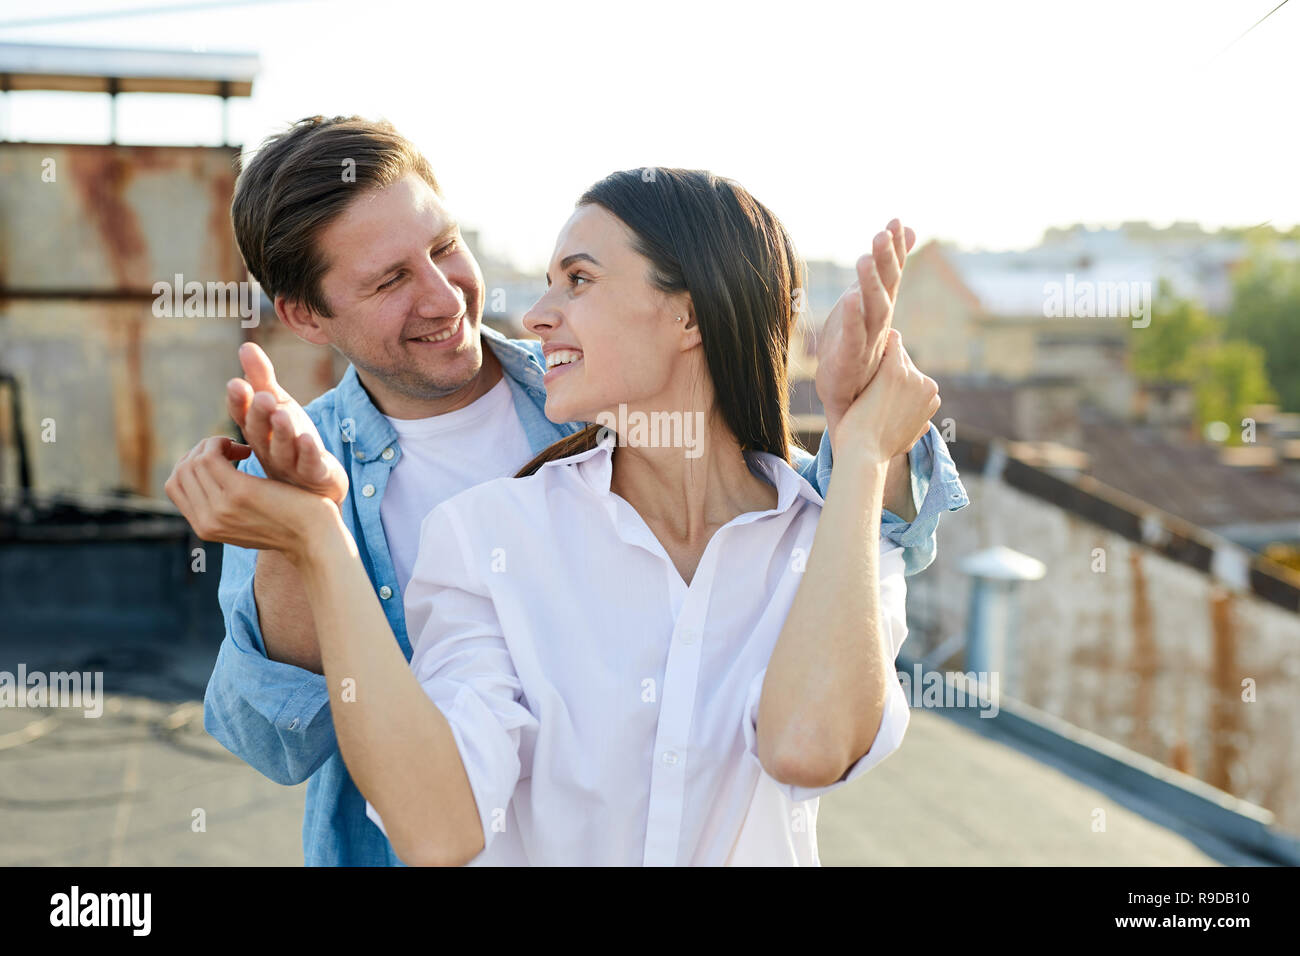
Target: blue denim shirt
x,y
276,716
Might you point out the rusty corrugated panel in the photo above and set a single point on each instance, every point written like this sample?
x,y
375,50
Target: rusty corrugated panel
x,y
85,233
1226,705
1145,659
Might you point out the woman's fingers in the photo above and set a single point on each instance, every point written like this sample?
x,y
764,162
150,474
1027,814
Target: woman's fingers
x,y
853,333
259,371
886,259
895,228
284,444
258,428
312,467
239,396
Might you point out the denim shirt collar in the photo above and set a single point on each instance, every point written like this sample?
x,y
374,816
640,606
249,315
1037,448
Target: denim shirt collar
x,y
369,433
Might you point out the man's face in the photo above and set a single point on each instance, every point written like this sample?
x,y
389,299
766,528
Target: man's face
x,y
406,293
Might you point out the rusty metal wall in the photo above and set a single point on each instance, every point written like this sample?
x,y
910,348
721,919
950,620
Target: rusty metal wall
x,y
85,233
1142,650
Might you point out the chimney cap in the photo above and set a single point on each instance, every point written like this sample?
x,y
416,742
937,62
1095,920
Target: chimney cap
x,y
1003,564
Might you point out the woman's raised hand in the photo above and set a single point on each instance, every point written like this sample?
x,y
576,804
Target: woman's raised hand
x,y
853,339
893,413
279,430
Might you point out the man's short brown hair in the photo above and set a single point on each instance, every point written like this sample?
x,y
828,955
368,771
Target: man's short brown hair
x,y
298,183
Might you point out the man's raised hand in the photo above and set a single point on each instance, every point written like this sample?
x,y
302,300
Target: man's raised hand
x,y
279,431
855,334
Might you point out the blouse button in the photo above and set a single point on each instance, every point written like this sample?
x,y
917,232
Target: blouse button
x,y
670,757
688,636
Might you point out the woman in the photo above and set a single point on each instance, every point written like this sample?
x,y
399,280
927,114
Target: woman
x,y
642,652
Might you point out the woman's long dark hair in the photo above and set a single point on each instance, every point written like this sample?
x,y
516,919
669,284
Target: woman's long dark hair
x,y
707,236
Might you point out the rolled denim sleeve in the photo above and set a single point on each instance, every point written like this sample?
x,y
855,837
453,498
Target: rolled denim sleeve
x,y
897,714
273,716
936,488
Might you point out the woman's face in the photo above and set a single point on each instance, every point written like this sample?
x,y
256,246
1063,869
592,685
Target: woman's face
x,y
610,337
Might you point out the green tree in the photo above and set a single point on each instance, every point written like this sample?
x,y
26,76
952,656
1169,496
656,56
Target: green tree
x,y
1266,312
1229,376
1184,344
1165,349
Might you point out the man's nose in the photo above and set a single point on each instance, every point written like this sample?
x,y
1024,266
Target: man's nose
x,y
439,297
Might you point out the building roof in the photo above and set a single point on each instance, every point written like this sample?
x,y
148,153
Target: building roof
x,y
1187,480
87,69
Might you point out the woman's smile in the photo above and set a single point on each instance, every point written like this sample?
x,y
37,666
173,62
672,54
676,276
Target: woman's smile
x,y
559,359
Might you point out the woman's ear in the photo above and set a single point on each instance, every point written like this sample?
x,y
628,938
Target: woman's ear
x,y
687,324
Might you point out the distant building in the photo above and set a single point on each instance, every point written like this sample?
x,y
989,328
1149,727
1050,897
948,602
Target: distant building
x,y
1064,308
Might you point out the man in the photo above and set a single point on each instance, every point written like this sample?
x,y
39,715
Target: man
x,y
344,225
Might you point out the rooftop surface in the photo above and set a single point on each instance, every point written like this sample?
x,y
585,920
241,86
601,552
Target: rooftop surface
x,y
124,788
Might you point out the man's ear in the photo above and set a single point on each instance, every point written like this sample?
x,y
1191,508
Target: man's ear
x,y
300,320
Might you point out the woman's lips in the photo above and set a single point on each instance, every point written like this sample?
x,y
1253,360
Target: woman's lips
x,y
560,368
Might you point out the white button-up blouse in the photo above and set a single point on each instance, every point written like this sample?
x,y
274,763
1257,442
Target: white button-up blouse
x,y
605,710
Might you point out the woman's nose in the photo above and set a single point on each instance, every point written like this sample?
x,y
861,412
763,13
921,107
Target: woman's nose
x,y
541,316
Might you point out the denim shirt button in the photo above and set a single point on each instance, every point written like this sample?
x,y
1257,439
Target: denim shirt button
x,y
293,724
387,453
385,592
368,491
361,455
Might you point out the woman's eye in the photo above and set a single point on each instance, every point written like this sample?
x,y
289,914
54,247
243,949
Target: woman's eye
x,y
575,276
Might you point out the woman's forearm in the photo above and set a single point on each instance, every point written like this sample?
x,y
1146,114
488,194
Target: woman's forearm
x,y
824,693
396,743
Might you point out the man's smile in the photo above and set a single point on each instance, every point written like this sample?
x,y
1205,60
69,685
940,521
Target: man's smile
x,y
449,337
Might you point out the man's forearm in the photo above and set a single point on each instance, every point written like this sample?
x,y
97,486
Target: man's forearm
x,y
284,613
898,488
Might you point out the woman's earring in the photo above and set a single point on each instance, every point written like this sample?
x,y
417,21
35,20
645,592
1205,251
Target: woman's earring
x,y
679,318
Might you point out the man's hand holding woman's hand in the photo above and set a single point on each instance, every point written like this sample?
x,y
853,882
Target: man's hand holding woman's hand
x,y
877,402
893,413
279,431
224,504
853,339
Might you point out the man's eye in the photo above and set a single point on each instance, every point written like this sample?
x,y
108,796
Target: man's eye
x,y
391,282
447,249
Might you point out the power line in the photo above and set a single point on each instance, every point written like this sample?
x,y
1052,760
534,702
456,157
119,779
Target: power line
x,y
1248,29
132,12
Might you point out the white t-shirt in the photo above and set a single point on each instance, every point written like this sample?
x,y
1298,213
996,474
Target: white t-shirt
x,y
441,457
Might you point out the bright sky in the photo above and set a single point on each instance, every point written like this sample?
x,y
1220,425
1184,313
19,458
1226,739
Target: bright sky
x,y
977,122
